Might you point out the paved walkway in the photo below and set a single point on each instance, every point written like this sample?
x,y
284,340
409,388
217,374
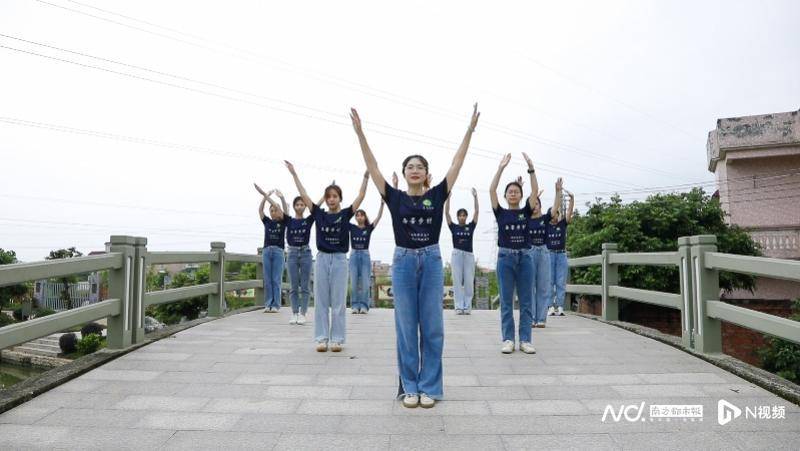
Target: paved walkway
x,y
253,381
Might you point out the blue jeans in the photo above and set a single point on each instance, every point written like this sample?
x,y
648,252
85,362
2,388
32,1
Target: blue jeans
x,y
418,285
558,274
360,268
541,282
299,262
463,265
272,258
515,272
330,293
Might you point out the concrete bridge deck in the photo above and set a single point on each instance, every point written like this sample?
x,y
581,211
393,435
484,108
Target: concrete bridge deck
x,y
251,381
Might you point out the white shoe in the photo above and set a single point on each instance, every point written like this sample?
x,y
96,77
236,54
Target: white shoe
x,y
535,325
294,319
322,346
336,347
527,348
551,311
508,347
468,312
410,401
561,311
301,319
426,402
267,310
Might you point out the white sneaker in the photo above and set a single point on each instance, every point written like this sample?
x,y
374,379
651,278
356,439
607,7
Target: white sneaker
x,y
561,311
267,310
294,319
551,311
336,347
508,347
527,348
535,325
322,346
426,401
301,319
410,401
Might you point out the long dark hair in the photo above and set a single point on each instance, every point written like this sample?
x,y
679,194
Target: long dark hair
x,y
424,163
366,218
335,188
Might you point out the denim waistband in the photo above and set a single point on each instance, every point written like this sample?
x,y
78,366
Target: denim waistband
x,y
539,246
299,248
433,248
558,251
505,250
274,247
359,251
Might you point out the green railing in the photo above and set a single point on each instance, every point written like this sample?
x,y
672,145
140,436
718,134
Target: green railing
x,y
698,264
127,264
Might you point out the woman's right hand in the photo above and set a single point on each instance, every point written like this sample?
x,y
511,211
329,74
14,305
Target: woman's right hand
x,y
504,162
290,167
356,121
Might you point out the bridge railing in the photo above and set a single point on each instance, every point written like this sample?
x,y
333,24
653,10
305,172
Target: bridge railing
x,y
127,264
698,264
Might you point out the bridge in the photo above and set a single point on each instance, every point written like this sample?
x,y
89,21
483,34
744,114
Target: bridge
x,y
252,381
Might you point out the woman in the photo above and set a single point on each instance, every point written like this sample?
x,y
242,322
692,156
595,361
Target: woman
x,y
272,253
514,262
556,243
298,233
330,272
462,261
537,225
417,273
360,263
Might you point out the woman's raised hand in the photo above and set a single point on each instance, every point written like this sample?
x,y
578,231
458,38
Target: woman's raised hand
x,y
394,179
356,120
290,167
520,180
474,192
475,115
528,160
279,193
559,184
506,159
260,191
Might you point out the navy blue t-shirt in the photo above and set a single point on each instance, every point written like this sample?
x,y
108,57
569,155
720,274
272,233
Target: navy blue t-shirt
x,y
537,229
274,231
333,229
462,235
557,235
512,227
298,231
359,238
416,220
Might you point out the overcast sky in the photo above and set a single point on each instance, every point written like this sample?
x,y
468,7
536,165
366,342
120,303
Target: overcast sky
x,y
165,113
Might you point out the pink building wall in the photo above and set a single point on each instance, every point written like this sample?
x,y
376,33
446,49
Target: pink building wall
x,y
756,160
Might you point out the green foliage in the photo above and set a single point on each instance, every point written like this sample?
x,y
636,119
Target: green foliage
x,y
235,302
247,272
66,280
13,292
173,312
91,328
654,225
90,344
39,313
154,281
5,320
783,357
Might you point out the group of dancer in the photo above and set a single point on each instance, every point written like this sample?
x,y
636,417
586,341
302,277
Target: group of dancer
x,y
531,260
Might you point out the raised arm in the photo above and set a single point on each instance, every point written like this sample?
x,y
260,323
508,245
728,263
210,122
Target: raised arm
x,y
274,204
361,192
366,152
299,185
286,211
380,215
496,180
570,207
461,154
557,201
264,196
394,180
447,210
477,209
534,182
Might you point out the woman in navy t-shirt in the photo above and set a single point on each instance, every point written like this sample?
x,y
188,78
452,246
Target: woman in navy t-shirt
x,y
556,241
330,270
537,228
514,262
417,273
462,262
298,260
272,253
360,262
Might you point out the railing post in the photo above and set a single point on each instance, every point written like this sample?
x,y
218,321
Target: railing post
x,y
258,296
610,277
217,275
139,290
685,276
120,286
705,286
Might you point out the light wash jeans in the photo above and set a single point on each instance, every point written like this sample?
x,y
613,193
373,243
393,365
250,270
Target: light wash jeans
x,y
541,282
515,272
330,293
418,285
272,258
299,261
558,274
463,266
360,269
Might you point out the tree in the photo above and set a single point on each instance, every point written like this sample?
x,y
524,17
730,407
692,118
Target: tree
x,y
67,281
173,312
9,293
654,225
782,357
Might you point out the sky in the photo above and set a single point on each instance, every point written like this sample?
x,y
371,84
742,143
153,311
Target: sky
x,y
154,118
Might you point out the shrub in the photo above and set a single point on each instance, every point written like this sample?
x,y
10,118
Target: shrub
x,y
18,314
91,328
783,357
68,343
90,344
5,320
43,312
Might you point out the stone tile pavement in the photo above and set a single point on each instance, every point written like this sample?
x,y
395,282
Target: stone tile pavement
x,y
252,381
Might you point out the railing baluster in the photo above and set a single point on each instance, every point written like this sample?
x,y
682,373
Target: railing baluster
x,y
610,277
708,331
217,275
120,286
139,290
685,275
